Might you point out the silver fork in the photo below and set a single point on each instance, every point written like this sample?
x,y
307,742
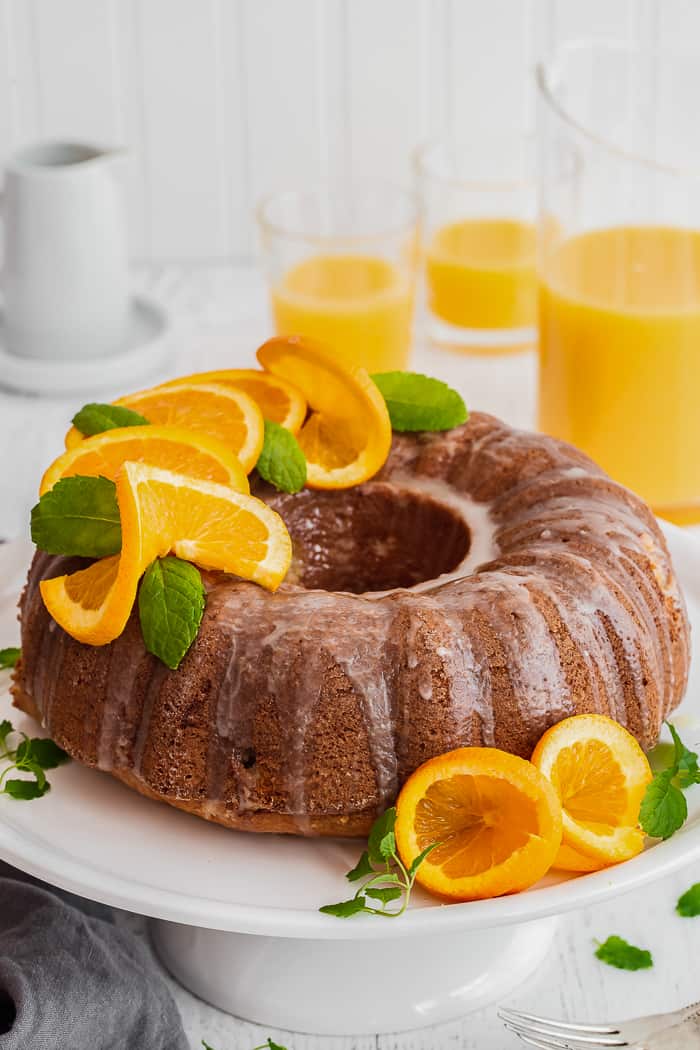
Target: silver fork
x,y
546,1034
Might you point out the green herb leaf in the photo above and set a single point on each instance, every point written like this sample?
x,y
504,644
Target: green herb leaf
x,y
171,606
689,903
362,868
382,842
9,657
269,1044
78,516
25,790
617,952
207,1047
417,402
281,461
417,861
5,729
664,808
385,894
41,751
96,418
685,760
345,909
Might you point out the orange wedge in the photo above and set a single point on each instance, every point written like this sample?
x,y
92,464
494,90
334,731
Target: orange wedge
x,y
224,413
161,512
276,398
567,859
172,448
497,819
347,437
600,775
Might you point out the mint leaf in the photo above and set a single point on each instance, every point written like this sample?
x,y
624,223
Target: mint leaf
x,y
96,418
381,843
41,751
362,868
617,952
685,760
25,790
689,903
417,861
5,729
417,402
9,657
664,808
171,606
346,908
78,516
385,894
207,1047
281,461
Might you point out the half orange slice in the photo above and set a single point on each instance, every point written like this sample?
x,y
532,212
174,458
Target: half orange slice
x,y
211,525
277,399
496,819
347,437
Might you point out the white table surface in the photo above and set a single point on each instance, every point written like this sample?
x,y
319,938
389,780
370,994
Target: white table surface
x,y
219,317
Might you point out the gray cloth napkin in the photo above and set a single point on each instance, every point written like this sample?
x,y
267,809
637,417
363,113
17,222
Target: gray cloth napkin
x,y
71,980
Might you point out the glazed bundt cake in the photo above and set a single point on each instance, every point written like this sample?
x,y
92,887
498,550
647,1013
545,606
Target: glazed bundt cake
x,y
485,585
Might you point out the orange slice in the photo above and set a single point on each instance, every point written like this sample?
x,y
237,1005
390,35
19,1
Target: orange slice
x,y
276,398
567,859
221,412
498,822
347,437
600,774
161,512
171,448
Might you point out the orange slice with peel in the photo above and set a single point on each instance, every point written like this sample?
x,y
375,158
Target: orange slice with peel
x,y
224,413
497,819
567,859
277,399
172,448
600,775
211,525
347,437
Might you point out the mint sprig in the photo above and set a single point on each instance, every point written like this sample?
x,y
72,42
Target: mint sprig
x,y
31,757
385,878
617,952
688,904
171,606
95,418
664,808
80,516
281,461
269,1044
9,657
418,402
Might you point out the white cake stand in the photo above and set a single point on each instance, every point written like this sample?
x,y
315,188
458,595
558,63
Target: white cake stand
x,y
235,916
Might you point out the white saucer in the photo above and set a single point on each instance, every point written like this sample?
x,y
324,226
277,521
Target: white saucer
x,y
93,836
142,354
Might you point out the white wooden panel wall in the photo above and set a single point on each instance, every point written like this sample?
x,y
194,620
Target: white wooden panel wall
x,y
222,101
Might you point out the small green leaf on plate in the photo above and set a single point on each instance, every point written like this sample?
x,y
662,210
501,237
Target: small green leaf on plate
x,y
9,656
362,868
689,903
664,808
381,843
345,909
616,951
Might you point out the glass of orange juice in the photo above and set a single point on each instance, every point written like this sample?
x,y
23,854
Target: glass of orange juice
x,y
341,260
478,202
619,265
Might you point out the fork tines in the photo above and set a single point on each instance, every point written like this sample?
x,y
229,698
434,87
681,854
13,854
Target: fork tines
x,y
546,1034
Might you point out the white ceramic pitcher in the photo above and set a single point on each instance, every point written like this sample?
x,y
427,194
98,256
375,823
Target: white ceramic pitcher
x,y
65,284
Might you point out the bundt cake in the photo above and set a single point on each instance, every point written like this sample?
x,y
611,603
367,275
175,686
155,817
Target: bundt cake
x,y
486,584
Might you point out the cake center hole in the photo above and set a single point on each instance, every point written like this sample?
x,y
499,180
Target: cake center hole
x,y
372,538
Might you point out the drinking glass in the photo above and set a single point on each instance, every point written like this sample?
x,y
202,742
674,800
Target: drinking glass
x,y
341,261
619,265
478,202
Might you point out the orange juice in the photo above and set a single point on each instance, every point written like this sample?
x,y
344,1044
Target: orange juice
x,y
359,305
481,274
620,358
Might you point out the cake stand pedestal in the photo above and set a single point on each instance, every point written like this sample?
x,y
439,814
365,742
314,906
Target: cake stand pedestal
x,y
346,987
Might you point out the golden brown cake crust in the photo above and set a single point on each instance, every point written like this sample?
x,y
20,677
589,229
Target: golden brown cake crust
x,y
512,584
